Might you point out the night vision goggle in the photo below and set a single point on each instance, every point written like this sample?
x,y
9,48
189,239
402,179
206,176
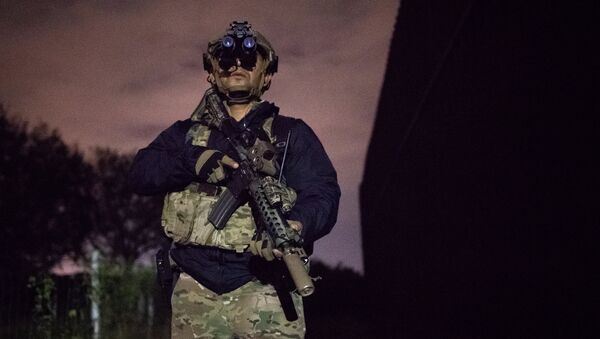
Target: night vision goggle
x,y
240,42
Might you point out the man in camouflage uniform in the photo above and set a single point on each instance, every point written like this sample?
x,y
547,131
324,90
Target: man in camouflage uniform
x,y
228,278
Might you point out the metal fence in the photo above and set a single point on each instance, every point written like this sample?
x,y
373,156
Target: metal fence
x,y
16,304
51,306
131,306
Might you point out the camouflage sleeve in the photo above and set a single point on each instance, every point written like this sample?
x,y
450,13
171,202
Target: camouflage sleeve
x,y
309,171
167,164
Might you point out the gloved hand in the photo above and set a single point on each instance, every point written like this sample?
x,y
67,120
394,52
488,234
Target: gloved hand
x,y
211,164
296,225
278,194
262,246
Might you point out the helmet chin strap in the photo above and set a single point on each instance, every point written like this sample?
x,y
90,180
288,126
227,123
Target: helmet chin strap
x,y
243,96
239,97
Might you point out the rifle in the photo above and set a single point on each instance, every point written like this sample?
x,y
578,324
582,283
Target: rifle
x,y
257,155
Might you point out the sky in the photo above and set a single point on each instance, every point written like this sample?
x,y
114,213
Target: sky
x,y
116,73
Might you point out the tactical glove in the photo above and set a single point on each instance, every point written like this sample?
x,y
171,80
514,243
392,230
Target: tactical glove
x,y
279,194
262,246
210,166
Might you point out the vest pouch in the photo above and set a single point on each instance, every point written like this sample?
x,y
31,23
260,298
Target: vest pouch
x,y
185,220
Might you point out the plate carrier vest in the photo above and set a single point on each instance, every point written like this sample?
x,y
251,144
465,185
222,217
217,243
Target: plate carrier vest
x,y
185,213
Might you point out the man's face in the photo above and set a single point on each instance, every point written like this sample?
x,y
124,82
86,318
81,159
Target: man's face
x,y
238,78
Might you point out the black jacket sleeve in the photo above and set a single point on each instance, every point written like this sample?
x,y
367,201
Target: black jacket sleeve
x,y
167,164
309,171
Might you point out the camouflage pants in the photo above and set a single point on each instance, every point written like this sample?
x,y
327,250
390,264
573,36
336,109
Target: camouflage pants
x,y
251,311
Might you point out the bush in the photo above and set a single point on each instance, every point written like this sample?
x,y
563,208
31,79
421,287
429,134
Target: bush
x,y
125,293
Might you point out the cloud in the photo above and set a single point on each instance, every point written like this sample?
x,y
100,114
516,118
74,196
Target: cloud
x,y
144,131
146,82
114,73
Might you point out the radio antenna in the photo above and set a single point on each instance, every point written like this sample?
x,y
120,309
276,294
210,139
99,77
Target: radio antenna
x,y
287,142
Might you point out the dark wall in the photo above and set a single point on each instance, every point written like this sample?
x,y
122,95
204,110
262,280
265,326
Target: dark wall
x,y
478,182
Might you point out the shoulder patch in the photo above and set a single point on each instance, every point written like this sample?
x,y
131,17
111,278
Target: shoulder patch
x,y
199,135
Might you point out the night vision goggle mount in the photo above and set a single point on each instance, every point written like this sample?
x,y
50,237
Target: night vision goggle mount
x,y
240,42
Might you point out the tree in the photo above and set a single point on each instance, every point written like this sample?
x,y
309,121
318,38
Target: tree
x,y
44,197
126,225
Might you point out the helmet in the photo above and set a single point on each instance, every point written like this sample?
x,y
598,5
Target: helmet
x,y
240,43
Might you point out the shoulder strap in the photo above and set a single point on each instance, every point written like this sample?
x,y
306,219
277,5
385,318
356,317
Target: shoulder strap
x,y
276,128
267,126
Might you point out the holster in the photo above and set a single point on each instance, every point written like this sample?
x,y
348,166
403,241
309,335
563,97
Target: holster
x,y
166,273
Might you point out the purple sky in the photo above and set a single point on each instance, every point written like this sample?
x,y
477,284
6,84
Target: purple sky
x,y
115,74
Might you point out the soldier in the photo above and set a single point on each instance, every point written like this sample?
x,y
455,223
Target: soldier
x,y
230,281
